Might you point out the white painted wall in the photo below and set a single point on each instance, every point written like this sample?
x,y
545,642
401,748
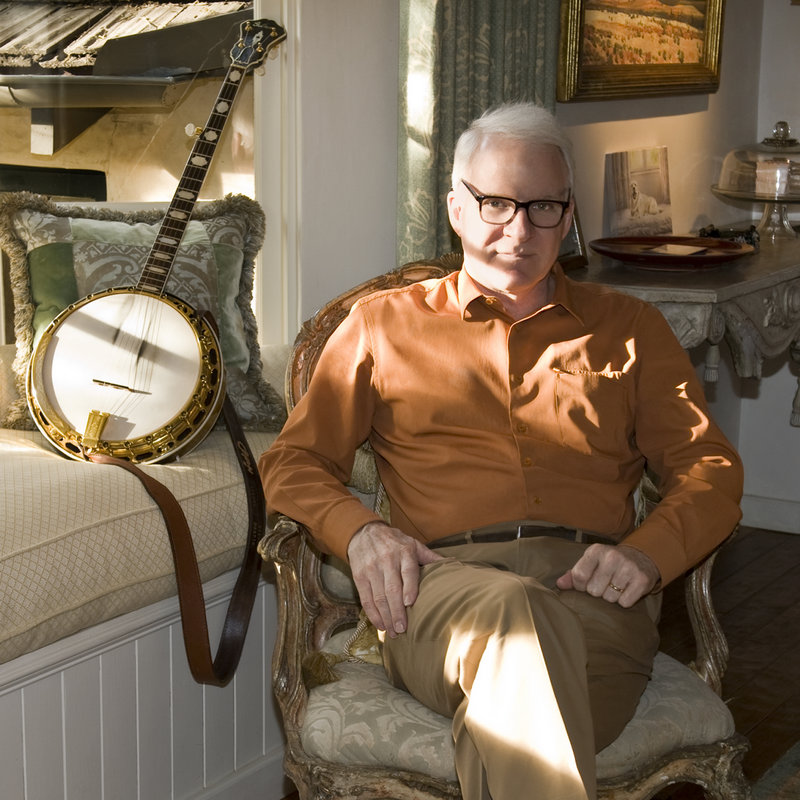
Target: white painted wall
x,y
769,447
338,173
348,106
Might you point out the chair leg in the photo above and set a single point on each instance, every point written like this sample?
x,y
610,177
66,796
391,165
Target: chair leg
x,y
728,781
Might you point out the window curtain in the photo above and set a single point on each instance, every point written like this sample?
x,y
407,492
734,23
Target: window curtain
x,y
457,59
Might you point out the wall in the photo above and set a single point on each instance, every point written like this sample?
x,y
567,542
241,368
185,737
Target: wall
x,y
337,174
769,446
349,134
778,97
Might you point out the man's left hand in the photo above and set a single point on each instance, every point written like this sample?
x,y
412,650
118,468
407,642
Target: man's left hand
x,y
620,574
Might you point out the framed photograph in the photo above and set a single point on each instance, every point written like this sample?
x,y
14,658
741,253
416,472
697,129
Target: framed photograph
x,y
573,249
638,48
637,197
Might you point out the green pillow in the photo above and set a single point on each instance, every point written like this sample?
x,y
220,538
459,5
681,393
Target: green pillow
x,y
59,254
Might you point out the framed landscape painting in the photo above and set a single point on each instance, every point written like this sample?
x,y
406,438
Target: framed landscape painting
x,y
638,48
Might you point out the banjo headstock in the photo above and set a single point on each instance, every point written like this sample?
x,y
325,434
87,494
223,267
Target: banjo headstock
x,y
256,40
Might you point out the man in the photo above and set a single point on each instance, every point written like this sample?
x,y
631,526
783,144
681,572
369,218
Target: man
x,y
501,393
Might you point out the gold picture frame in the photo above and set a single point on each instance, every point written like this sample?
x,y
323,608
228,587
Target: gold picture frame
x,y
590,52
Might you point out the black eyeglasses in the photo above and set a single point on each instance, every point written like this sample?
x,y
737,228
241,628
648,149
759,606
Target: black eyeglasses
x,y
501,210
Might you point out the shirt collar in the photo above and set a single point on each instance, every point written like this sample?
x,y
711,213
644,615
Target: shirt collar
x,y
563,294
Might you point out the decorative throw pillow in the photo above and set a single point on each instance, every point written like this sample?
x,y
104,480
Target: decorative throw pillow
x,y
59,254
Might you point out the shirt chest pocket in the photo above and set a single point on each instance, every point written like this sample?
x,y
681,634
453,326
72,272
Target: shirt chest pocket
x,y
593,411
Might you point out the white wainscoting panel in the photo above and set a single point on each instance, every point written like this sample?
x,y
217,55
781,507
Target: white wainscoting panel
x,y
113,714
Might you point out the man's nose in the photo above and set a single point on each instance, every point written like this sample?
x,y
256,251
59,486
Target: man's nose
x,y
520,225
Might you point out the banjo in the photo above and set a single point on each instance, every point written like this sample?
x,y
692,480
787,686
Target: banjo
x,y
133,372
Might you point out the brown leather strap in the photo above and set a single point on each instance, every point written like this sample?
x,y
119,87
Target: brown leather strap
x,y
190,588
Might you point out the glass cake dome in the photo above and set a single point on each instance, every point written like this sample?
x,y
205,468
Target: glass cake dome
x,y
768,172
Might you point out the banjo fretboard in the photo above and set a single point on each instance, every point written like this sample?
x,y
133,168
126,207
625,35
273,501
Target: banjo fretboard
x,y
251,49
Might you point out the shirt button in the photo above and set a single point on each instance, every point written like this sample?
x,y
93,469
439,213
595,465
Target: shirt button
x,y
537,501
490,301
516,380
522,428
526,462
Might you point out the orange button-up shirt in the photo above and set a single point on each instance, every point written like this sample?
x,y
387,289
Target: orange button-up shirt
x,y
475,419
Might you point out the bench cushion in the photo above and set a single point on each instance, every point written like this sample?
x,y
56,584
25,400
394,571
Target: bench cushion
x,y
83,543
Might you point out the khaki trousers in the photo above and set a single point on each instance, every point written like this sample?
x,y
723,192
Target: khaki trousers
x,y
536,680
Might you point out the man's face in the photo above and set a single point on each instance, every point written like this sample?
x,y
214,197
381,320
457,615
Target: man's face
x,y
511,258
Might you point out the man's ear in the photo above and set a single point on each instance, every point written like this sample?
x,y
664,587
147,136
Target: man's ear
x,y
454,210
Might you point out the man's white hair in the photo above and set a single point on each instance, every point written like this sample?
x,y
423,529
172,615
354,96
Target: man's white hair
x,y
524,122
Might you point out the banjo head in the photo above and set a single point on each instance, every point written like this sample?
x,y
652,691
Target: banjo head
x,y
127,373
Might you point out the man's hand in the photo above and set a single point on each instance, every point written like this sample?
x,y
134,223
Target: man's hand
x,y
620,574
385,565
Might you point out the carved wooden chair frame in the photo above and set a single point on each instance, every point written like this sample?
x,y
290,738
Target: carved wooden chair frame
x,y
309,615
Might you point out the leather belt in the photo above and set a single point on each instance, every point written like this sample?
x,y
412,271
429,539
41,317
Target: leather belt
x,y
508,531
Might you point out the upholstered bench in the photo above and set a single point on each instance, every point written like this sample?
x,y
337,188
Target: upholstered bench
x,y
96,697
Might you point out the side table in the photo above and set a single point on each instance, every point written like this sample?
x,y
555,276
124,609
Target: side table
x,y
753,302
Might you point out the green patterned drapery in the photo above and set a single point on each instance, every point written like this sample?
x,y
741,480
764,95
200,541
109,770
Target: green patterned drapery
x,y
458,58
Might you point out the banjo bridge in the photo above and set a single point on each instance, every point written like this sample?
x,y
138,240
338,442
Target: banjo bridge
x,y
118,386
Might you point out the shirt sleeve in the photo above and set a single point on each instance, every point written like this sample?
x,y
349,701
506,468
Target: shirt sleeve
x,y
699,473
305,471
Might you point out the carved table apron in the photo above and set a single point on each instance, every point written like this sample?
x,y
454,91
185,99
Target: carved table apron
x,y
752,302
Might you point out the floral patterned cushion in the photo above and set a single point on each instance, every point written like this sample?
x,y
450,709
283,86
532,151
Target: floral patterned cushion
x,y
362,719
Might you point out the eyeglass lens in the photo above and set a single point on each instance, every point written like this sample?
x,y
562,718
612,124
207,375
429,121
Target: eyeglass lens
x,y
541,213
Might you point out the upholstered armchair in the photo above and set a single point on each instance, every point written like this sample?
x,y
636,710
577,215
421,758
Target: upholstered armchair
x,y
350,733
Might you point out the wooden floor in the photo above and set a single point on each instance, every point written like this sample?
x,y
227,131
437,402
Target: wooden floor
x,y
756,591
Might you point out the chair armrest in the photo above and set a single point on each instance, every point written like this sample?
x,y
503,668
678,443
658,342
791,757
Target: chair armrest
x,y
711,657
307,613
281,546
711,646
